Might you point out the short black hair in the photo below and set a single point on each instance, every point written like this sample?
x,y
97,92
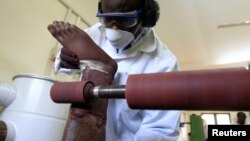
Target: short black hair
x,y
241,115
241,118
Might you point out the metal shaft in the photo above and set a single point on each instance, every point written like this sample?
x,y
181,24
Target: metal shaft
x,y
109,91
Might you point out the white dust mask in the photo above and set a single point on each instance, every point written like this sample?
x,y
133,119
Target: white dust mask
x,y
119,38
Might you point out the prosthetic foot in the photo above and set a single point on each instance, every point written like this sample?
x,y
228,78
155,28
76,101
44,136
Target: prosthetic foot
x,y
86,120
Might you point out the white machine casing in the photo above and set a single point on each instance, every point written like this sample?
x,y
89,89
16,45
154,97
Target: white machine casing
x,y
32,115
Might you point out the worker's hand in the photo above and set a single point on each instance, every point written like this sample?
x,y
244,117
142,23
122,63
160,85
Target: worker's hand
x,y
69,59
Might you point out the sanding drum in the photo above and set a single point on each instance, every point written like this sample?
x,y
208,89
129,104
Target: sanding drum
x,y
221,89
215,89
71,92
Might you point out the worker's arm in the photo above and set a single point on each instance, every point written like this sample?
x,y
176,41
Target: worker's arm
x,y
159,126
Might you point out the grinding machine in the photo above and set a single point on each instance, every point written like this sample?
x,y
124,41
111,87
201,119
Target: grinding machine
x,y
212,89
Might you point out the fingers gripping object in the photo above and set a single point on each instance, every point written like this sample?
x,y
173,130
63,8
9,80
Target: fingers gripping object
x,y
220,89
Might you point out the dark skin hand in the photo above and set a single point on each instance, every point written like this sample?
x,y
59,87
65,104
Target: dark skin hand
x,y
69,59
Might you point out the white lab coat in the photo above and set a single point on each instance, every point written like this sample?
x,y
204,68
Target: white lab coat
x,y
148,55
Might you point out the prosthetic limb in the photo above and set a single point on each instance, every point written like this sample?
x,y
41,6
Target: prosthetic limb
x,y
86,120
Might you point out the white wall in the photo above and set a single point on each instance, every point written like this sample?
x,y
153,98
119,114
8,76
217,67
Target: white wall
x,y
26,46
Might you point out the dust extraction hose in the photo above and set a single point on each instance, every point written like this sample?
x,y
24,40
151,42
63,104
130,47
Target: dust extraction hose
x,y
215,89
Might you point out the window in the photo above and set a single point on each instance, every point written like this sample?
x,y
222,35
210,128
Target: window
x,y
216,118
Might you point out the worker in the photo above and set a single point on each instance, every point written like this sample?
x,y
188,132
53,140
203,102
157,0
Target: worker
x,y
241,118
126,34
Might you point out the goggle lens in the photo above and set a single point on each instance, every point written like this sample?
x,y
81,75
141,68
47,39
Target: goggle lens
x,y
123,22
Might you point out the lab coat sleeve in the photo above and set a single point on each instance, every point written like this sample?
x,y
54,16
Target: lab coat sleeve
x,y
160,125
59,69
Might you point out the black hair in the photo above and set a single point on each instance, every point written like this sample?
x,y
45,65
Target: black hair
x,y
150,12
241,118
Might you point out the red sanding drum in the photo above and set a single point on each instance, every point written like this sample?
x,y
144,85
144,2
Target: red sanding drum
x,y
68,92
220,89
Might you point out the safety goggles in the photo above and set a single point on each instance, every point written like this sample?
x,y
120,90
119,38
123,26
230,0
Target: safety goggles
x,y
126,20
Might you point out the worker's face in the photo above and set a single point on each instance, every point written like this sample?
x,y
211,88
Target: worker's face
x,y
123,22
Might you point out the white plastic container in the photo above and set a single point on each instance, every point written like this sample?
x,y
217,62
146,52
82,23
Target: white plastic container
x,y
32,114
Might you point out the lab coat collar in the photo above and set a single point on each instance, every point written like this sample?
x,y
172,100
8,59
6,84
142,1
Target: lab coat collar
x,y
146,44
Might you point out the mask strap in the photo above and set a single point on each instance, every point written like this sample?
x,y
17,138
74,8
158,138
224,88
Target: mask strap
x,y
143,32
